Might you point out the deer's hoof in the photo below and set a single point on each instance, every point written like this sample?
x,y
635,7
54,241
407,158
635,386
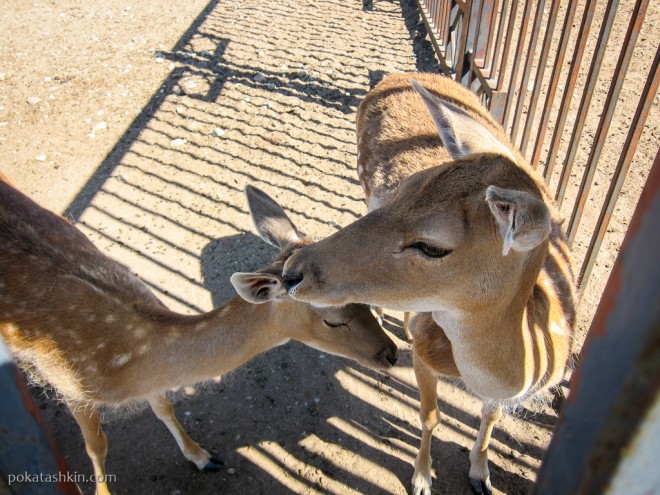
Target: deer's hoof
x,y
481,487
214,464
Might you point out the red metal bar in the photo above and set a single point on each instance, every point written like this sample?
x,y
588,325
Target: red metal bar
x,y
554,81
621,171
488,62
601,47
517,62
434,35
466,9
616,384
27,446
507,47
531,50
540,72
482,33
635,26
571,81
493,73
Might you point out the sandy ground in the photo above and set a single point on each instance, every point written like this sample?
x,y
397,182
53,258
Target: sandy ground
x,y
142,122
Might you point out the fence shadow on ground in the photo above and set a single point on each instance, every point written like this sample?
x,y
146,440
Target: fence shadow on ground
x,y
249,102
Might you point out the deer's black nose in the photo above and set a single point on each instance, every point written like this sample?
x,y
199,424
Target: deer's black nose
x,y
291,279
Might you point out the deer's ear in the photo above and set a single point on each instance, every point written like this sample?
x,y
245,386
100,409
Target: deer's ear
x,y
460,133
258,288
523,219
272,223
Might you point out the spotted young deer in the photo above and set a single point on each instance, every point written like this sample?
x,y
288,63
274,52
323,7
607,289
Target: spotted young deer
x,y
462,231
83,323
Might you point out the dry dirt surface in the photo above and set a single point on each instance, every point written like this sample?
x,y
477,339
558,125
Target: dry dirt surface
x,y
142,122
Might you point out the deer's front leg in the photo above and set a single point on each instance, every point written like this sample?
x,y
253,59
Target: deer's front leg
x,y
96,443
479,473
427,382
190,449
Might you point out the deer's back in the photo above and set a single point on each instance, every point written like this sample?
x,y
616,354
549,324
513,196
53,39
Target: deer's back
x,y
61,299
396,135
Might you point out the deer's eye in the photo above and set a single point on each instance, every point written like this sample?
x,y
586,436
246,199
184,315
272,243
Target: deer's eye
x,y
428,250
333,325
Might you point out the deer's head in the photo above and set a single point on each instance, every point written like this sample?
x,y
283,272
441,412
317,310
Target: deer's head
x,y
464,235
347,330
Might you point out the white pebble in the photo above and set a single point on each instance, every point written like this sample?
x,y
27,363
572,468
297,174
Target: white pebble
x,y
259,77
34,100
231,471
40,158
100,126
217,132
177,142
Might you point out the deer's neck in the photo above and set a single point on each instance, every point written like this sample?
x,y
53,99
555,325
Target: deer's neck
x,y
515,346
171,350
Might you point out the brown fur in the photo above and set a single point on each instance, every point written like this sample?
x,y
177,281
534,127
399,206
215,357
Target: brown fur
x,y
91,329
507,312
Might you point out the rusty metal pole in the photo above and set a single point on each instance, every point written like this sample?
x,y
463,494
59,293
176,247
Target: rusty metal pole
x,y
616,386
28,454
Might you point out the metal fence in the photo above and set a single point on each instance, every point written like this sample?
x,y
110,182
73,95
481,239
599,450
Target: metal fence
x,y
523,65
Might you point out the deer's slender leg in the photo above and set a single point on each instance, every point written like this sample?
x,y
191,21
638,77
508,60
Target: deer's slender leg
x,y
190,449
96,443
479,473
427,382
406,325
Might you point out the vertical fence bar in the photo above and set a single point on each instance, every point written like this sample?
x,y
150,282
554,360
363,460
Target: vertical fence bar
x,y
621,171
516,62
483,33
465,8
635,26
540,72
494,73
26,443
531,50
488,61
554,81
507,47
576,62
601,47
616,386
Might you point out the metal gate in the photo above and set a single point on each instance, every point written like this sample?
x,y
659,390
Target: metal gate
x,y
531,75
514,55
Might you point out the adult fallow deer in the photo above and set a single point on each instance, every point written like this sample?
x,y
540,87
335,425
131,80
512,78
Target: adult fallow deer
x,y
83,323
462,230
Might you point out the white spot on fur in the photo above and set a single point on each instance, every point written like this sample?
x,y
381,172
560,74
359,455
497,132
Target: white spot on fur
x,y
360,167
110,319
143,349
140,332
558,329
100,346
120,360
11,329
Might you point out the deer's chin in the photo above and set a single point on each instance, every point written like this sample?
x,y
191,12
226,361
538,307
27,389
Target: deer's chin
x,y
316,298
